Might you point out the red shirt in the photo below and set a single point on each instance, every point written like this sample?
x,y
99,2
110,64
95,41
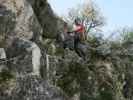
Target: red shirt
x,y
79,28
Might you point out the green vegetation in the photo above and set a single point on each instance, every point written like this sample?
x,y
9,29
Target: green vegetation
x,y
104,76
107,74
7,80
5,76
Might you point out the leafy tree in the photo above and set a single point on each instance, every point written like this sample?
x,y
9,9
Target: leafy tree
x,y
89,14
126,34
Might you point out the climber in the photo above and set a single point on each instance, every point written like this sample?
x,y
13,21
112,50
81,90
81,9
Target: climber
x,y
74,39
79,37
65,35
65,39
69,38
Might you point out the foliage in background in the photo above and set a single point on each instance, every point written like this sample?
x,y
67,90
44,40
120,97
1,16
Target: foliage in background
x,y
126,34
89,14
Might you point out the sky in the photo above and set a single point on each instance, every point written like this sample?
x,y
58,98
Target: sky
x,y
118,13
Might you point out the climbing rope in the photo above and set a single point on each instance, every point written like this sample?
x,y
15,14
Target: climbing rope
x,y
2,61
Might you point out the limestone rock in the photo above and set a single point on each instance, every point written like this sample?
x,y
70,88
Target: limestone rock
x,y
2,53
21,13
18,21
49,21
21,33
26,58
2,58
32,88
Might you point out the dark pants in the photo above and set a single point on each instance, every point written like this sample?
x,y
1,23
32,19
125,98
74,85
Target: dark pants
x,y
77,48
76,40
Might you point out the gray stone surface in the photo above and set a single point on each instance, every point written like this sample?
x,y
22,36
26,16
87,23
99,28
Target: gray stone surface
x,y
48,20
32,88
2,58
20,34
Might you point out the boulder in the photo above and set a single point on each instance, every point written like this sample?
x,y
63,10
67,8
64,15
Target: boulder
x,y
49,21
26,58
21,33
19,20
32,87
2,53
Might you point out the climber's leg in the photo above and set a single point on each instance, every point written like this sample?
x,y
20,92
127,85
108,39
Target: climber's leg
x,y
76,40
78,49
82,49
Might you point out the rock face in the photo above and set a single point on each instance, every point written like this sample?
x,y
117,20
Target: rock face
x,y
32,88
2,53
24,18
23,35
28,56
20,38
33,69
51,23
2,56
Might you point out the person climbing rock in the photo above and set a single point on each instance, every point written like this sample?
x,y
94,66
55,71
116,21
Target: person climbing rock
x,y
65,39
73,39
69,36
65,35
79,37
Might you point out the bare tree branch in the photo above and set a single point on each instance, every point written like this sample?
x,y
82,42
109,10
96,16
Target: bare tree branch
x,y
89,14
